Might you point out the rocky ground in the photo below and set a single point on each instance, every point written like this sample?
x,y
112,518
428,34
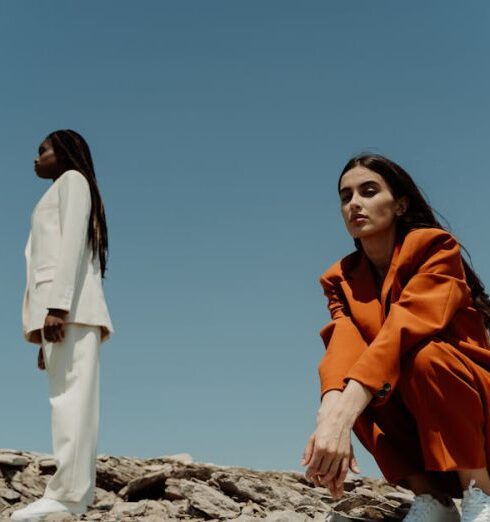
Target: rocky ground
x,y
176,488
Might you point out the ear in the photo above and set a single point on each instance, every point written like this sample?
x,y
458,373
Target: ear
x,y
401,205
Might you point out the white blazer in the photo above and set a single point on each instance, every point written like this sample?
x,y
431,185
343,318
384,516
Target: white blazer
x,y
60,270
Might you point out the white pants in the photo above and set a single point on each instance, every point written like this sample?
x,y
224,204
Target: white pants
x,y
73,373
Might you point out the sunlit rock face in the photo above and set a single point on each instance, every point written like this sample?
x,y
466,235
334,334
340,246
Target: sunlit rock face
x,y
175,488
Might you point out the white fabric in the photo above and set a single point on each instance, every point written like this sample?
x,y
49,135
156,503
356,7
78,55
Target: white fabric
x,y
475,505
39,509
61,271
425,508
73,373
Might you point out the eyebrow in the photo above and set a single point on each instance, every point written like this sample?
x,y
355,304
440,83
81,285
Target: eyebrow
x,y
362,185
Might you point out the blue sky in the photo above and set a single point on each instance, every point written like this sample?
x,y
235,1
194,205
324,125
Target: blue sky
x,y
218,131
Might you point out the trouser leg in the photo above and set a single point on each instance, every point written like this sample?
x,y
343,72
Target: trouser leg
x,y
446,392
73,374
389,433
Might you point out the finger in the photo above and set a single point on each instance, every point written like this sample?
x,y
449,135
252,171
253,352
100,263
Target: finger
x,y
40,362
308,451
332,470
316,481
47,333
312,475
59,332
344,468
353,465
332,488
62,331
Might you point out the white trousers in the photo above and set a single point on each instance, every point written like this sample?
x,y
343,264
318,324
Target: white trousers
x,y
73,374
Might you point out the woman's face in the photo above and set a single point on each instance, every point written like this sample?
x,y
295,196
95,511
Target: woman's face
x,y
368,206
46,164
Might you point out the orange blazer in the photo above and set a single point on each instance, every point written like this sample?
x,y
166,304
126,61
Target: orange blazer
x,y
424,298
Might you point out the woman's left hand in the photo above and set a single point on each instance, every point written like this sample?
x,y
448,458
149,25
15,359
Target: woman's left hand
x,y
328,453
54,325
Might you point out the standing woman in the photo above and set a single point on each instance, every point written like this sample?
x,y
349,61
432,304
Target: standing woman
x,y
407,362
65,312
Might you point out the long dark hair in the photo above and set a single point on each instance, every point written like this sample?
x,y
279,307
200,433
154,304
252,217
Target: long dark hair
x,y
73,152
419,214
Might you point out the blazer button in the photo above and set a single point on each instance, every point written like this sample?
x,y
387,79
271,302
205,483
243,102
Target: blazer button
x,y
384,390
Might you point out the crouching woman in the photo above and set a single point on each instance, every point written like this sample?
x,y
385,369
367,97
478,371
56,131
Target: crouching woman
x,y
407,361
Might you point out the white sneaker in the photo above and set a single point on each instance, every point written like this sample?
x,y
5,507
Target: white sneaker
x,y
475,505
39,509
426,508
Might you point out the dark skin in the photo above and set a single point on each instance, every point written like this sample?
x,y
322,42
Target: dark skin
x,y
48,166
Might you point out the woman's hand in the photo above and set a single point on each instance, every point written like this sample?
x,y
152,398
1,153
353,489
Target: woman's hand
x,y
40,359
328,453
54,325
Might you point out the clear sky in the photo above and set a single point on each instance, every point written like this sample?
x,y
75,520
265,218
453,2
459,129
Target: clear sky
x,y
218,130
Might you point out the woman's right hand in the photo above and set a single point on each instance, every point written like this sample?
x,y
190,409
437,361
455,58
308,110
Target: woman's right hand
x,y
329,454
40,359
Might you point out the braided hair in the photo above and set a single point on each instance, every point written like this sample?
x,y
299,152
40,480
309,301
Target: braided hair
x,y
73,152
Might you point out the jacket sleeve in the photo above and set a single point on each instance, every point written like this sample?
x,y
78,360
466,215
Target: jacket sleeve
x,y
425,307
343,342
74,209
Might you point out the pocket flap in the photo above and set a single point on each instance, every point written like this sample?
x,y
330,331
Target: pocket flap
x,y
45,273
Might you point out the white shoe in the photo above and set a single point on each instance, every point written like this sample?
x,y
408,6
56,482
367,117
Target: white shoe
x,y
39,509
426,508
475,505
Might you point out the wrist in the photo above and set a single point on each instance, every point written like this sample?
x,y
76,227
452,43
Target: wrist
x,y
355,398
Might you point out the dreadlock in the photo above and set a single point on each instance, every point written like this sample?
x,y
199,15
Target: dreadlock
x,y
73,153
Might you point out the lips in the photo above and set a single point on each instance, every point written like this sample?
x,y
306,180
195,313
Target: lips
x,y
358,217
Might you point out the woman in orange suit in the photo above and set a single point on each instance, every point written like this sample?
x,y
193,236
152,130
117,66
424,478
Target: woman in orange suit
x,y
407,361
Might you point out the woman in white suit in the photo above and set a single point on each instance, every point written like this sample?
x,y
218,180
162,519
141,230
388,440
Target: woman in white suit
x,y
65,312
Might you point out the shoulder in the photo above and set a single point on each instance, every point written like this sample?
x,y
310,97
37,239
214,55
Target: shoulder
x,y
72,176
73,179
423,243
337,272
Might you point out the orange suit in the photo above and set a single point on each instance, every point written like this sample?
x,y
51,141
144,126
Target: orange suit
x,y
423,351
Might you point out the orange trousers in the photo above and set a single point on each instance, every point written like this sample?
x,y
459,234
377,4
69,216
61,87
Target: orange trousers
x,y
435,422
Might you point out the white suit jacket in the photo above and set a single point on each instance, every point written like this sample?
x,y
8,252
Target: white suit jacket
x,y
60,270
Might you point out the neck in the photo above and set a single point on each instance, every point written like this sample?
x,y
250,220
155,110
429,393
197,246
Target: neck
x,y
379,249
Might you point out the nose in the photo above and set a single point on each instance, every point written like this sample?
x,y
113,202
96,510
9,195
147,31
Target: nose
x,y
354,203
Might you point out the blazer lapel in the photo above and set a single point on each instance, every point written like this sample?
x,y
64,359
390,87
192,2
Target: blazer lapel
x,y
388,280
360,291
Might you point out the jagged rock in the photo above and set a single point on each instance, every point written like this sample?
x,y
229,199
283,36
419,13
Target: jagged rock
x,y
208,500
9,494
150,485
129,508
13,459
174,488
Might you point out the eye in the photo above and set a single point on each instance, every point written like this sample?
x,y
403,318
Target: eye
x,y
345,197
370,191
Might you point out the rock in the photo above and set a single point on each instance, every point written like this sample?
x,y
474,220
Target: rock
x,y
9,494
13,459
403,498
286,516
129,508
175,488
183,458
148,486
60,517
208,500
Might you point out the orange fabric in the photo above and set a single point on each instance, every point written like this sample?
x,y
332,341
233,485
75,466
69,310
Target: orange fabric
x,y
416,430
424,294
422,349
